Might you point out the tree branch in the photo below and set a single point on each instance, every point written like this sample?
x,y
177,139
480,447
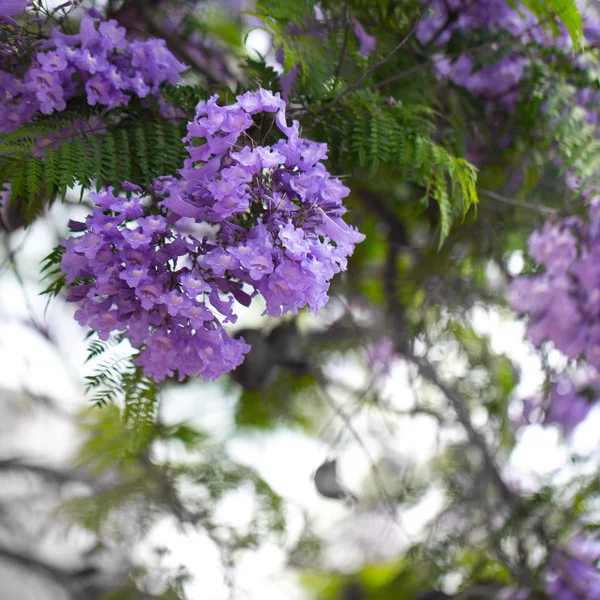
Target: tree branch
x,y
370,70
48,473
63,577
500,198
455,399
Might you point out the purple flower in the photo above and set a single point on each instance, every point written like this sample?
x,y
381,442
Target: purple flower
x,y
167,279
219,261
367,43
98,59
561,300
52,61
296,247
270,158
153,224
150,295
255,258
572,573
176,302
569,405
127,207
248,158
137,237
134,275
12,7
112,35
250,102
194,284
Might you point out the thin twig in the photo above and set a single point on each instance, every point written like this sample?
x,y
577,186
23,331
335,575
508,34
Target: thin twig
x,y
54,475
412,71
344,46
15,269
500,198
61,576
455,399
370,70
377,477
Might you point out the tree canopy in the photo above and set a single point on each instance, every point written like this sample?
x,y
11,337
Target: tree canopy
x,y
372,224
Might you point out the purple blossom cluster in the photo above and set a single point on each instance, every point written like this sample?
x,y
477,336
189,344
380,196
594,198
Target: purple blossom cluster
x,y
499,80
241,219
446,17
567,404
131,271
10,9
178,18
562,299
98,61
573,572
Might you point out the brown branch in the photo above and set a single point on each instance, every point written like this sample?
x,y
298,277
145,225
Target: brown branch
x,y
64,577
169,495
412,71
47,473
500,198
455,399
490,469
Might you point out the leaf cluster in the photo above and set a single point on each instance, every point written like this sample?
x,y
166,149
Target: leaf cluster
x,y
375,132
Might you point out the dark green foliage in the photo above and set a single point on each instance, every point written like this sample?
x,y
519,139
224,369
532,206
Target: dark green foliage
x,y
261,75
273,405
134,151
50,270
571,137
554,12
185,97
297,34
117,380
141,400
373,132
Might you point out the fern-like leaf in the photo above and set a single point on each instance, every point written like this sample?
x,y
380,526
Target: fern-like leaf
x,y
367,130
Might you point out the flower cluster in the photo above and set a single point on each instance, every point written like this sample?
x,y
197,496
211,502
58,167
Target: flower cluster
x,y
567,404
98,61
126,276
562,300
9,9
241,219
171,18
497,77
496,81
562,303
447,17
573,573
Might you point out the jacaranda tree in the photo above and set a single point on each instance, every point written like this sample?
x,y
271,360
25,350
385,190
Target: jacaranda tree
x,y
383,175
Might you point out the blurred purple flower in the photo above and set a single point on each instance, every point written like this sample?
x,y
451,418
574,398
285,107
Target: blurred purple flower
x,y
367,43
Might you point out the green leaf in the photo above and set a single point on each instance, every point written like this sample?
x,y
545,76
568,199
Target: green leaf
x,y
553,11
